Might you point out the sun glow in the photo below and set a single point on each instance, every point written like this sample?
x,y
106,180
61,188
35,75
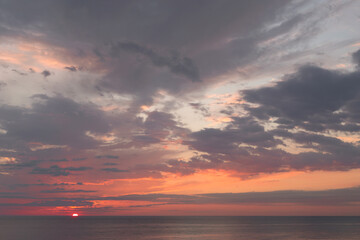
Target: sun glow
x,y
75,215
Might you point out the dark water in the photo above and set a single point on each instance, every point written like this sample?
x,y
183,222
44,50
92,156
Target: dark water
x,y
223,228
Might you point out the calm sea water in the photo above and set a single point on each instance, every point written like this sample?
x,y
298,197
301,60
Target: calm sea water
x,y
223,228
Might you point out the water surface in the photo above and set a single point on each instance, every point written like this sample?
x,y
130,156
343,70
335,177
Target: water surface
x,y
159,228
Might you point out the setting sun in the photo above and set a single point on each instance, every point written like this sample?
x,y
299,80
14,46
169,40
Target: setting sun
x,y
75,215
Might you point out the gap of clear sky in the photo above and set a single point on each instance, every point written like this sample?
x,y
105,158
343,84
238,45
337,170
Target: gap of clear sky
x,y
179,107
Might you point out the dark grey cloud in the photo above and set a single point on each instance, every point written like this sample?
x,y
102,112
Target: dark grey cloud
x,y
201,108
46,73
313,98
71,68
356,58
331,197
55,170
2,84
346,196
63,190
330,153
18,72
214,55
79,159
205,38
241,130
343,196
21,165
245,146
141,80
160,125
77,168
58,160
49,203
182,66
162,22
26,185
156,128
52,120
110,164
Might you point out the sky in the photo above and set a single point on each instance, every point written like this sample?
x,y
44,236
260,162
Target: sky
x,y
167,107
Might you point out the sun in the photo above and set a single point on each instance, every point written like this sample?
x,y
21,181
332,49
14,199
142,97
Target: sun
x,y
75,215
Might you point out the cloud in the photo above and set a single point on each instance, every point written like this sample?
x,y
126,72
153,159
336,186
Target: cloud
x,y
201,48
71,68
55,170
113,170
313,98
168,55
243,145
58,160
45,73
21,165
356,57
63,190
313,101
183,66
49,203
328,197
79,159
110,164
2,84
160,125
107,156
26,185
242,130
18,72
52,121
156,128
345,196
201,108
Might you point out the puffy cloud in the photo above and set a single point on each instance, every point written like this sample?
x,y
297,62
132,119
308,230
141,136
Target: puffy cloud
x,y
313,98
52,120
240,131
156,128
211,42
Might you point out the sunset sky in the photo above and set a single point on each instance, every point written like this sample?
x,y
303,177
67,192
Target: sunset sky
x,y
179,107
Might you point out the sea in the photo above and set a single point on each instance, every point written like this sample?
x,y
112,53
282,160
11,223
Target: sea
x,y
159,228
